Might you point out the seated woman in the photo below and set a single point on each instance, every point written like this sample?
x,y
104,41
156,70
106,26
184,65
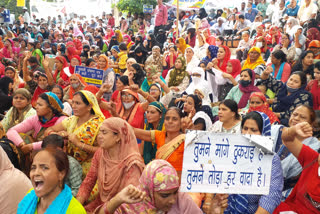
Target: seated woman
x,y
313,87
212,52
57,89
108,75
241,92
286,47
304,197
305,64
61,75
11,178
48,174
229,118
254,61
291,168
82,141
13,74
191,60
181,45
115,165
178,78
169,59
76,84
121,83
157,192
256,123
6,84
289,95
21,109
170,143
258,102
228,79
49,112
155,121
281,69
198,80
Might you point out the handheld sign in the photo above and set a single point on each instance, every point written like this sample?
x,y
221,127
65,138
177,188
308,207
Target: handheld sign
x,y
147,8
225,163
91,76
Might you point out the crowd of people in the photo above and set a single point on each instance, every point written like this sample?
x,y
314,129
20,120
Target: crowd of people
x,y
68,146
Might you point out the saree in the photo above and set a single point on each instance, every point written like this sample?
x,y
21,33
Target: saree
x,y
171,151
253,65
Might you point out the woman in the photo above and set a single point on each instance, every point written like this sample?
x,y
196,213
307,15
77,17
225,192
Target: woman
x,y
273,37
121,83
181,45
76,84
292,24
57,90
108,73
169,59
60,76
212,52
285,46
75,61
155,59
262,7
11,178
229,118
49,113
201,47
155,121
128,41
304,197
113,42
256,123
103,47
12,73
155,90
305,64
6,85
241,92
227,80
151,43
210,39
178,78
258,102
223,57
313,87
158,177
254,61
7,50
82,141
129,109
198,81
118,156
288,95
191,60
21,109
138,74
48,174
281,69
169,143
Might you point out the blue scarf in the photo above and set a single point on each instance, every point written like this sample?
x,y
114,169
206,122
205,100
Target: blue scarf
x,y
28,205
279,75
146,85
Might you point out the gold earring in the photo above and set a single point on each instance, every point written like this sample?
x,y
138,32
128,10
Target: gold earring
x,y
60,184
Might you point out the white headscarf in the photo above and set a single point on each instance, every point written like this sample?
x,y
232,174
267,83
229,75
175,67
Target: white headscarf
x,y
194,61
203,115
196,81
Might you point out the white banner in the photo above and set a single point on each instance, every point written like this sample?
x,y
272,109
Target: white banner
x,y
225,163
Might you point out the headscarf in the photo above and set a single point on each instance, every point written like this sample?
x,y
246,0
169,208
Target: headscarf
x,y
264,108
246,91
130,43
110,172
100,43
196,82
158,175
110,34
38,90
113,42
70,46
312,34
93,101
225,59
277,36
120,108
81,81
253,65
62,75
71,68
107,62
118,35
236,67
211,40
183,45
213,53
16,117
150,148
5,50
177,75
205,117
197,101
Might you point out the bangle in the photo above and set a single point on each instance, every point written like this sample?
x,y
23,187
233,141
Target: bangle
x,y
22,144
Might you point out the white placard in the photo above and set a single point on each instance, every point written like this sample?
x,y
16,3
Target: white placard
x,y
225,163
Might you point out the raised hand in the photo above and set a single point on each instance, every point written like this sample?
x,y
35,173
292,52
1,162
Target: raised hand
x,y
130,195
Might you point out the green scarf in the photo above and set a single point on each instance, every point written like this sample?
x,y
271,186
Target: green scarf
x,y
177,75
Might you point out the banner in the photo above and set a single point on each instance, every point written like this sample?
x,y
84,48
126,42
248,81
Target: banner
x,y
21,3
225,163
189,4
147,8
91,76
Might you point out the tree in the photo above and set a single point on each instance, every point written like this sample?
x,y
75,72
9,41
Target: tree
x,y
134,6
12,6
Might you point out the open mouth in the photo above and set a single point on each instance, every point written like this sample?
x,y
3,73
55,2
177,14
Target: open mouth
x,y
38,184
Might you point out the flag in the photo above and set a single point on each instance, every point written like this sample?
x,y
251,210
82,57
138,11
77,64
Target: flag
x,y
189,4
21,3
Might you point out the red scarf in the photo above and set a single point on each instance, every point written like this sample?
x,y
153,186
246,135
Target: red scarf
x,y
48,123
225,59
247,91
36,94
71,68
315,91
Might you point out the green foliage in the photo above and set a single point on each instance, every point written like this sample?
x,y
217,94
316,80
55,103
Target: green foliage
x,y
134,6
12,6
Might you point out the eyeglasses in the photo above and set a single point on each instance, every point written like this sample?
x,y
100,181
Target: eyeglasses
x,y
154,90
126,96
